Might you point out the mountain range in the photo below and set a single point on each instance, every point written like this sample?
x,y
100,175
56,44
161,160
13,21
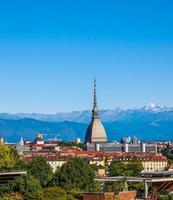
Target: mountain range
x,y
151,122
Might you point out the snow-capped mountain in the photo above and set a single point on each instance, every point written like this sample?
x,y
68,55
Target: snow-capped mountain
x,y
85,116
155,108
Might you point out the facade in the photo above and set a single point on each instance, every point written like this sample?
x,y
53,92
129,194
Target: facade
x,y
56,162
95,133
112,147
142,147
151,148
127,148
151,162
133,148
155,164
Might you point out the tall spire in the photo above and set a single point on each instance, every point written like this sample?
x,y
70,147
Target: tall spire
x,y
95,132
95,108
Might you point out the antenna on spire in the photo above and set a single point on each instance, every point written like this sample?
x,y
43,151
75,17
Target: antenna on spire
x,y
95,93
95,108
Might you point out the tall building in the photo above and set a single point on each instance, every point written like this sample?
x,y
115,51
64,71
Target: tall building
x,y
95,132
96,138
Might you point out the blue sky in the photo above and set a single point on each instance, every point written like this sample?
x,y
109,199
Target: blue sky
x,y
50,52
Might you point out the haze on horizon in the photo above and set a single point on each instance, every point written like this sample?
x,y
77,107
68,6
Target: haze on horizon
x,y
51,52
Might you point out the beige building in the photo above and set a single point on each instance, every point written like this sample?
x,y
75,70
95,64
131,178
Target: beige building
x,y
57,162
151,162
153,165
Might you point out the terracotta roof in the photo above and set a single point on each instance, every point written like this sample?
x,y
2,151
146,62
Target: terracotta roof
x,y
140,157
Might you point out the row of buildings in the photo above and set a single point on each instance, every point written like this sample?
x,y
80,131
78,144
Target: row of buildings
x,y
56,158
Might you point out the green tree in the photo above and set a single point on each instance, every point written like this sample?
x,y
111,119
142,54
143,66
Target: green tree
x,y
117,168
19,163
7,157
26,185
41,170
54,182
134,168
76,175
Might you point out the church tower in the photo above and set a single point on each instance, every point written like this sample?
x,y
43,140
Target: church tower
x,y
95,132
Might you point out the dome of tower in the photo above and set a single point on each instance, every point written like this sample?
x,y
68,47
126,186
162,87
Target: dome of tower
x,y
96,132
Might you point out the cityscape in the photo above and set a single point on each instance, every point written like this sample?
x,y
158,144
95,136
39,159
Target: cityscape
x,y
76,79
136,169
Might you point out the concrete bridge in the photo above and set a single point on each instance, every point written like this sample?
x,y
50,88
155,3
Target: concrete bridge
x,y
159,184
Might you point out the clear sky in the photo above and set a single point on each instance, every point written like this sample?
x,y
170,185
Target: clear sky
x,y
50,52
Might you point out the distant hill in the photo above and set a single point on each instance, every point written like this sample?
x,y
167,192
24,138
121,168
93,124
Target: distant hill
x,y
152,122
13,130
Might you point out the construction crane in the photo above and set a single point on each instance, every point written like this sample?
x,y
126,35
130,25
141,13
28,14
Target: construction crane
x,y
55,135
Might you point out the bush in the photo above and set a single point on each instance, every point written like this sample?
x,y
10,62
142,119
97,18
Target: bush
x,y
54,193
12,196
